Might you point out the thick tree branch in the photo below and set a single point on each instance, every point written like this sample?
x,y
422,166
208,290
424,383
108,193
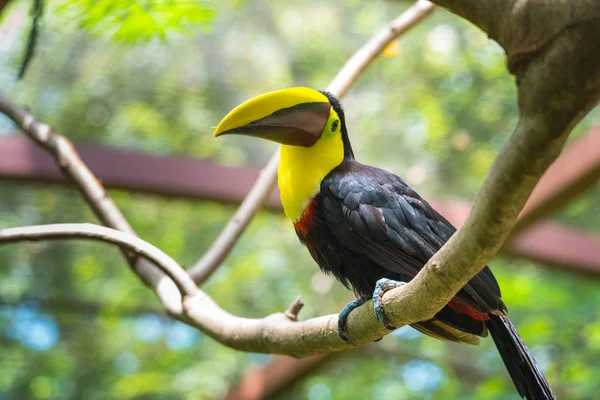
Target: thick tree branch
x,y
349,73
96,196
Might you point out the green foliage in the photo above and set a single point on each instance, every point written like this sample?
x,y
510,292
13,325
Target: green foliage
x,y
138,21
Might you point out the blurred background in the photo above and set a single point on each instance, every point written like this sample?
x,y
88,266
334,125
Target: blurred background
x,y
153,78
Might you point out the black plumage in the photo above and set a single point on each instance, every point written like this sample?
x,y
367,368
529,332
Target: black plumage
x,y
366,224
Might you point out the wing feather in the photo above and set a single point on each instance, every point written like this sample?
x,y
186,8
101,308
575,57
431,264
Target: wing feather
x,y
375,213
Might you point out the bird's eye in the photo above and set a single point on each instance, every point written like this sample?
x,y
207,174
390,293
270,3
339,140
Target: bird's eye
x,y
334,126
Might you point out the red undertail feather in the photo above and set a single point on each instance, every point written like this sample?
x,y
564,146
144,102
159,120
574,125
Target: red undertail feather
x,y
307,219
460,307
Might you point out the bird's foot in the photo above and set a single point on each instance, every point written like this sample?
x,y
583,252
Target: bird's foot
x,y
343,316
382,286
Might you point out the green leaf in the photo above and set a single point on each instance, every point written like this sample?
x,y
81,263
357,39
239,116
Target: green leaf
x,y
138,22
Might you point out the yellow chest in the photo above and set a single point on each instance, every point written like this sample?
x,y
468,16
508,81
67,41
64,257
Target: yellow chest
x,y
301,170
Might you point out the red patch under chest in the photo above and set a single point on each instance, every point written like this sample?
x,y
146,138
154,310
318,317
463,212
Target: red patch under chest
x,y
308,218
457,306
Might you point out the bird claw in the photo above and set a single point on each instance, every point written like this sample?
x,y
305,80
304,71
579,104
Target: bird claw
x,y
343,316
382,286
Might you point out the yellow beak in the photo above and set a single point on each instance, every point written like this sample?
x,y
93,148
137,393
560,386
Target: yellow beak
x,y
295,116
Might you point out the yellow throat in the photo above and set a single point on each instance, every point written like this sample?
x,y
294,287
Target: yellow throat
x,y
301,169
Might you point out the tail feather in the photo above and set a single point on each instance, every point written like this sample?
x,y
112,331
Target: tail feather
x,y
522,367
443,331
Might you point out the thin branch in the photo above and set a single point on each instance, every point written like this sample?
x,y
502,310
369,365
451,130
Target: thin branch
x,y
96,196
95,232
3,4
36,12
349,73
214,256
294,309
359,62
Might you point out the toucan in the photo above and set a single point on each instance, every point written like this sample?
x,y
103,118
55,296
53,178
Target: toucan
x,y
368,228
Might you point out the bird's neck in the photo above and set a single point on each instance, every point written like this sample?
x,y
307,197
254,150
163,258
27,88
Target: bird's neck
x,y
301,170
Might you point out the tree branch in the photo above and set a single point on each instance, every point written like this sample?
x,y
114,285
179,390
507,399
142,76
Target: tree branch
x,y
218,251
264,185
359,62
3,4
36,12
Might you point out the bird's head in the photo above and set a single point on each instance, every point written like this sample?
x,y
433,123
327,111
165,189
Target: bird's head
x,y
311,129
293,117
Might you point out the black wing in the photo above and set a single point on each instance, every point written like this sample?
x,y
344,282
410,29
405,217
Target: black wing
x,y
375,213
